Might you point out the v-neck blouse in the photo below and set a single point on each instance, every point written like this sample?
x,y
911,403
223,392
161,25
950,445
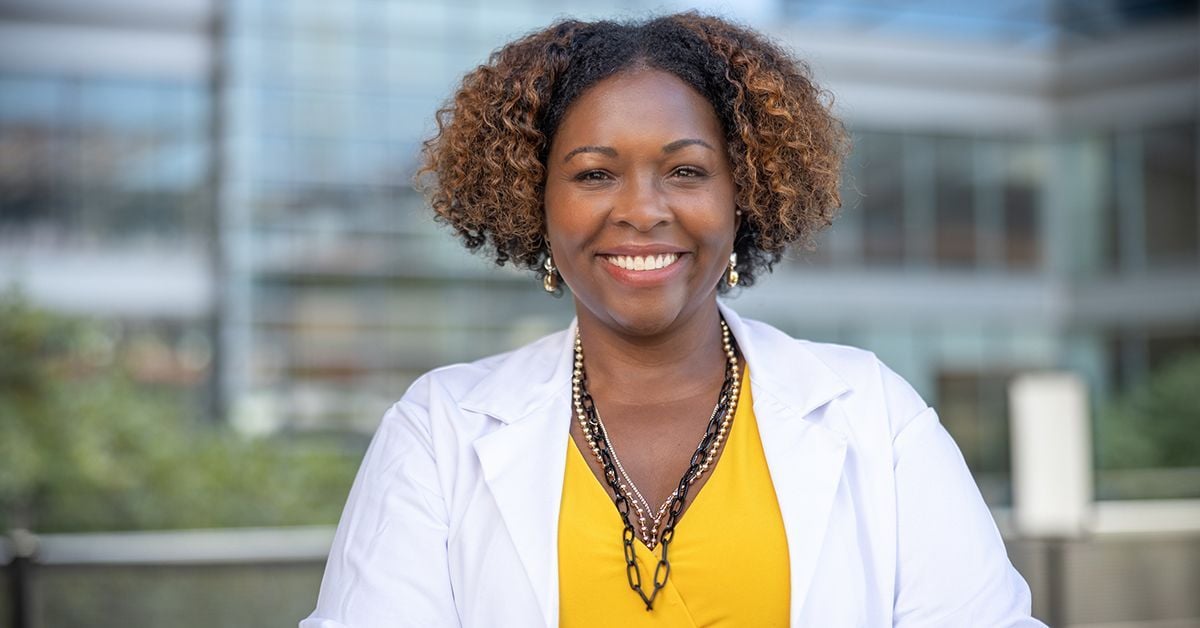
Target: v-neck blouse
x,y
729,557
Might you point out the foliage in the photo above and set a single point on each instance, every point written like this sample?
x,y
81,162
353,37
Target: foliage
x,y
1155,423
85,446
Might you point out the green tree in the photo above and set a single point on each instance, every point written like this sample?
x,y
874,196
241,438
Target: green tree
x,y
1155,423
85,446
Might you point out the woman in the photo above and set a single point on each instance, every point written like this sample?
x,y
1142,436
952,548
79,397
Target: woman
x,y
662,461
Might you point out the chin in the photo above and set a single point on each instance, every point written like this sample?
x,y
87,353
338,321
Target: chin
x,y
646,317
645,326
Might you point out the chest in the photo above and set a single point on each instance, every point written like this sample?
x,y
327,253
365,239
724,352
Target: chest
x,y
498,570
508,492
651,453
728,558
654,442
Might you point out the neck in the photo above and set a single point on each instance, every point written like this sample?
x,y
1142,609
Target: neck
x,y
680,361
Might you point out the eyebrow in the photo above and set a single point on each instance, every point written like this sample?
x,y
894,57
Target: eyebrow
x,y
678,144
608,151
603,150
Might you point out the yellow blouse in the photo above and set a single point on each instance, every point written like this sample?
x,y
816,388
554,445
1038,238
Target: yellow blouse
x,y
729,558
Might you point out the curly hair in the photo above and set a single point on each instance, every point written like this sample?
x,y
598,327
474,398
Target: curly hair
x,y
484,170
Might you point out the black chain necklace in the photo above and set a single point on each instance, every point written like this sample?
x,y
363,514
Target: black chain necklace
x,y
587,406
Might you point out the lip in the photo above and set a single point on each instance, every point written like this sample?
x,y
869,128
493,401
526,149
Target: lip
x,y
643,278
635,250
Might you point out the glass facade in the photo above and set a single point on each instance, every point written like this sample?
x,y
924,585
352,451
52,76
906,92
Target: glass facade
x,y
1027,22
949,202
964,254
106,209
92,161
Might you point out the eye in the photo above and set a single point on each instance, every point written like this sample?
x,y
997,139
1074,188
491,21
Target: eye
x,y
688,172
592,176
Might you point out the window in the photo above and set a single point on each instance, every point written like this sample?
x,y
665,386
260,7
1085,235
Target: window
x,y
1022,185
955,240
102,159
883,198
1169,192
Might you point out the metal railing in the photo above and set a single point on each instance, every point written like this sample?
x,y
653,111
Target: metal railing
x,y
1072,581
26,556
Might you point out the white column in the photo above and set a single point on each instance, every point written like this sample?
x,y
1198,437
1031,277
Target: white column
x,y
1051,455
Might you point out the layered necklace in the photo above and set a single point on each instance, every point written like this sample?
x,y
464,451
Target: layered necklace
x,y
654,526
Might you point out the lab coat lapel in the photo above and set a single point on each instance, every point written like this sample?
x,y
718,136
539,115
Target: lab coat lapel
x,y
792,389
524,460
805,461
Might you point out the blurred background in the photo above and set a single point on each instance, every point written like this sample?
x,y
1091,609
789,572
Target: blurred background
x,y
215,276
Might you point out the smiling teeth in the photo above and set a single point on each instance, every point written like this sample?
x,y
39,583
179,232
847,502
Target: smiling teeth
x,y
647,262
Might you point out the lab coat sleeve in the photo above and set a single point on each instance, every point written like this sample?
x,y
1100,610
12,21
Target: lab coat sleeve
x,y
952,569
388,564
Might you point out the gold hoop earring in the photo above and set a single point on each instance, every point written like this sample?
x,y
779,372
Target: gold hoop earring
x,y
550,281
731,278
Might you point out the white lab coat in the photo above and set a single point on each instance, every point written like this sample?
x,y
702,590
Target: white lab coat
x,y
453,518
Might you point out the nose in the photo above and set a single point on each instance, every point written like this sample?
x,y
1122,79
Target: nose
x,y
641,204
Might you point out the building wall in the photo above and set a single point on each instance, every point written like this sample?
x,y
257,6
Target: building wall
x,y
233,181
106,177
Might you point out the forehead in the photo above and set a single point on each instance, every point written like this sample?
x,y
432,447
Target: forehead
x,y
643,104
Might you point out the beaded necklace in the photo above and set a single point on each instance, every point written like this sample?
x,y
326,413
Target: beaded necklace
x,y
622,485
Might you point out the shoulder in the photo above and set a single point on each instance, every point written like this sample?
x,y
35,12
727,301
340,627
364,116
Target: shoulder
x,y
863,381
863,371
448,408
489,379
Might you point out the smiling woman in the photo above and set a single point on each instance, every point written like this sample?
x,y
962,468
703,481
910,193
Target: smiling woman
x,y
761,480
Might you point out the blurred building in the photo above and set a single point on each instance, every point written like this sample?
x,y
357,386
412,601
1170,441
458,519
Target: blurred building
x,y
230,183
106,189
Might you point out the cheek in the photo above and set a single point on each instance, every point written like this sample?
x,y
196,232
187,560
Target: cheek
x,y
713,221
568,220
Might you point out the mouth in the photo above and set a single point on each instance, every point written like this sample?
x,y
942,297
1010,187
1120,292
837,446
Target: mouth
x,y
642,263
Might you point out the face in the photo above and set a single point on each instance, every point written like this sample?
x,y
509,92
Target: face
x,y
640,202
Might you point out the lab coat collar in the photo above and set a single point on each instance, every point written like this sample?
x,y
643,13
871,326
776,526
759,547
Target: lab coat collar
x,y
774,372
525,380
523,461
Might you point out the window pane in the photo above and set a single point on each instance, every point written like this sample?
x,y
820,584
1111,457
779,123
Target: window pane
x,y
883,199
1169,164
34,102
955,215
31,151
26,174
1022,185
120,107
1110,252
116,160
